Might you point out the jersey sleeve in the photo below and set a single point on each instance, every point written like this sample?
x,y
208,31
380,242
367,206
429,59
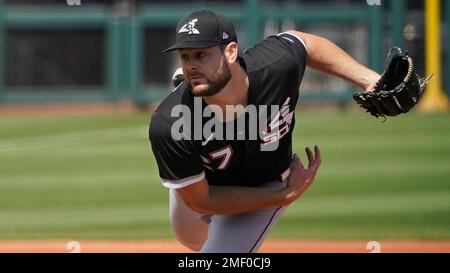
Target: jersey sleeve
x,y
297,48
178,160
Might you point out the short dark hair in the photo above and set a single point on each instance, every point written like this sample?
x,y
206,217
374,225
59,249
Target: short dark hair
x,y
222,47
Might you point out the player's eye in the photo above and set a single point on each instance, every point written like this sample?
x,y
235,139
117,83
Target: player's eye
x,y
184,57
199,55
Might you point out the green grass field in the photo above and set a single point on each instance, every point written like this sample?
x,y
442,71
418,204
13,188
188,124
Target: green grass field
x,y
96,178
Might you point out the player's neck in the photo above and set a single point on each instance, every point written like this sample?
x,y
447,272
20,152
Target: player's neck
x,y
235,92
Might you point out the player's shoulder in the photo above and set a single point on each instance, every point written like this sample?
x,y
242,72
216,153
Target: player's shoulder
x,y
178,97
275,50
169,110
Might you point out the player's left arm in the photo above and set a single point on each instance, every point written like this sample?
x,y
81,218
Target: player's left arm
x,y
326,56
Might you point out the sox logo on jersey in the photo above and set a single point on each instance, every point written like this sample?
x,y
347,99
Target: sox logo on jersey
x,y
278,128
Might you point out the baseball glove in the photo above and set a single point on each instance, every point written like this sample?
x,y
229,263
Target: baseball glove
x,y
398,90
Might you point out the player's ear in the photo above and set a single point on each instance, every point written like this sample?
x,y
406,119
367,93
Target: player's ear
x,y
231,52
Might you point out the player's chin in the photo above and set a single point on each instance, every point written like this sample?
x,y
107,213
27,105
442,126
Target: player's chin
x,y
200,89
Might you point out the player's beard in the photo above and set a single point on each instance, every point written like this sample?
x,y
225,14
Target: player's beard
x,y
215,83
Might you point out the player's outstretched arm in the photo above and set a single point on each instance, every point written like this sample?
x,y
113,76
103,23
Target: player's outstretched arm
x,y
325,56
207,199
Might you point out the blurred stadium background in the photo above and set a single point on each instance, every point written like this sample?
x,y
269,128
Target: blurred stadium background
x,y
87,175
110,50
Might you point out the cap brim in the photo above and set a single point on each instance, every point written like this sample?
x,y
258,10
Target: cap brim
x,y
193,44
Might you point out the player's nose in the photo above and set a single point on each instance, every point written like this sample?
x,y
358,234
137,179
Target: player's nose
x,y
190,67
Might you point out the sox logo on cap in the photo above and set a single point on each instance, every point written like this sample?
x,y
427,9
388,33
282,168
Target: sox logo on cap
x,y
189,27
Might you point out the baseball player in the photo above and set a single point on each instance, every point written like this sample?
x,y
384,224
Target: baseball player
x,y
227,192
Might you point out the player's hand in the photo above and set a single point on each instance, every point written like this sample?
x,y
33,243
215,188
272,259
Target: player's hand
x,y
301,178
371,82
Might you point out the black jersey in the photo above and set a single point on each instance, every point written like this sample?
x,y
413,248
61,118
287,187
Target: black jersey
x,y
275,68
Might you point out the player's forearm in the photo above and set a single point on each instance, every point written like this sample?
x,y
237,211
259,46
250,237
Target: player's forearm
x,y
228,200
325,56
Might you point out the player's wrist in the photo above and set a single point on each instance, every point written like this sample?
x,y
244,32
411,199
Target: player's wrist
x,y
288,195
